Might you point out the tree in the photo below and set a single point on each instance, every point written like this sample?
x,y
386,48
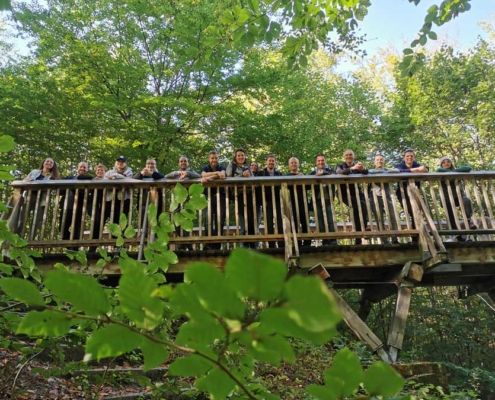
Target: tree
x,y
447,102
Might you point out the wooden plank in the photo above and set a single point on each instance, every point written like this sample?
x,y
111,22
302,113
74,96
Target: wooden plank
x,y
431,225
415,273
356,258
445,268
398,326
362,331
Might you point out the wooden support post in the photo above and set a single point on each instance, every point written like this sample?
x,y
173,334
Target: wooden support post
x,y
361,330
398,327
290,238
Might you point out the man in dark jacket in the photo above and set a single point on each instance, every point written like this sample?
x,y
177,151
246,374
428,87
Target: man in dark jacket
x,y
72,206
215,215
149,173
182,174
299,202
350,196
323,169
271,201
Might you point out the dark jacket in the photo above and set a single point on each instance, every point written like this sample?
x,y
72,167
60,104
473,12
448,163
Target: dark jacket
x,y
268,189
326,171
404,169
344,169
209,168
144,193
155,176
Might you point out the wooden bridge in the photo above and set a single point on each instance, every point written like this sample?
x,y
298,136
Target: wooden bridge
x,y
310,222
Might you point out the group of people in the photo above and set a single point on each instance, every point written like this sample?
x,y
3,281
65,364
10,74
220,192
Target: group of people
x,y
249,199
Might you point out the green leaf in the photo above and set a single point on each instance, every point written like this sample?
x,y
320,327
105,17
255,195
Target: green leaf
x,y
243,16
191,365
82,291
46,323
184,300
267,348
346,368
254,5
213,291
310,304
152,212
432,35
115,229
7,142
248,39
180,194
129,232
178,219
154,353
382,380
198,335
255,275
321,392
81,257
192,52
217,383
103,253
123,221
136,296
198,203
186,224
196,189
22,290
277,320
6,269
111,341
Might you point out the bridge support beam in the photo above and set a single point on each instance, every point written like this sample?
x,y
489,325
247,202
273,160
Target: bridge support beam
x,y
359,327
398,326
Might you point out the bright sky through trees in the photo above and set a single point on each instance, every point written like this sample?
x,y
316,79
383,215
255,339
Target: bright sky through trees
x,y
396,22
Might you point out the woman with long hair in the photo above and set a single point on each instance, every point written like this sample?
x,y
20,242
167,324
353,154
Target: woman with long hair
x,y
239,168
48,170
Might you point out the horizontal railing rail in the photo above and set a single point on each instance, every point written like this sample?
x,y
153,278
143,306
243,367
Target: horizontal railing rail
x,y
262,211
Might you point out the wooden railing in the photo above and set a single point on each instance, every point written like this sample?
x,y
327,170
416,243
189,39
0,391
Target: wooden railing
x,y
284,212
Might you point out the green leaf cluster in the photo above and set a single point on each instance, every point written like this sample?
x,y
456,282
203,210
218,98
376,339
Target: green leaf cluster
x,y
345,377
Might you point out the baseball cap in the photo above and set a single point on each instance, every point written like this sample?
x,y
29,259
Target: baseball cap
x,y
121,158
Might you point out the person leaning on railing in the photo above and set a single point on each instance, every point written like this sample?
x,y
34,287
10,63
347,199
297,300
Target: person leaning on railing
x,y
238,168
322,169
96,209
119,171
383,198
299,201
349,167
409,165
72,211
216,210
149,173
48,170
446,165
271,201
182,174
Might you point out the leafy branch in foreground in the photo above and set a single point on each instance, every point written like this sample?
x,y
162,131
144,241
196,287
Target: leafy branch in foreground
x,y
221,339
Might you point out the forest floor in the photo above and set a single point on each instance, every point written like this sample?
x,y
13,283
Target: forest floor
x,y
33,377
